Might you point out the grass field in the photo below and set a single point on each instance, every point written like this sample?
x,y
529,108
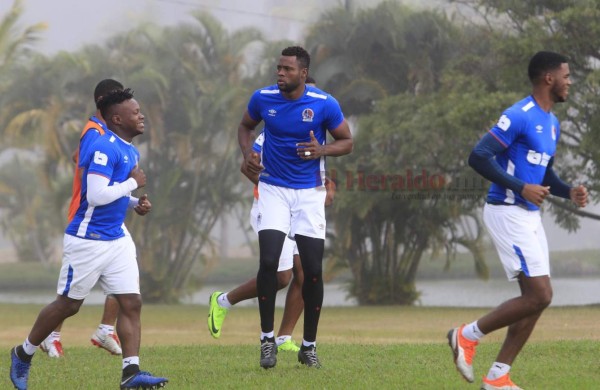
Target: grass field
x,y
360,348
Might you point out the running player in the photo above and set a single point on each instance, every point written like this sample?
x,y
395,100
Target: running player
x,y
96,247
290,269
292,195
105,336
517,156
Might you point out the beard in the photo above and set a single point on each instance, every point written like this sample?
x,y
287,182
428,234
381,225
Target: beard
x,y
288,87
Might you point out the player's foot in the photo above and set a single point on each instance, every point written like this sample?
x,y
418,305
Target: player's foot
x,y
143,380
110,342
308,356
288,346
268,353
216,315
464,351
502,383
19,371
53,348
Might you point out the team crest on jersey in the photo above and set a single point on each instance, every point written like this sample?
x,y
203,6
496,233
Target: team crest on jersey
x,y
308,115
553,133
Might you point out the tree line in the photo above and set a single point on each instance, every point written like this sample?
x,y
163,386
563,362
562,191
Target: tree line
x,y
419,86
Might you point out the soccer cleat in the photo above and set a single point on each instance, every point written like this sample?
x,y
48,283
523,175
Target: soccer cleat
x,y
268,353
53,348
502,383
288,346
19,371
308,356
464,351
143,380
216,315
110,342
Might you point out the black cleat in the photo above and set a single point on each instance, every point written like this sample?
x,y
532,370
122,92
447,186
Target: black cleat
x,y
268,353
308,356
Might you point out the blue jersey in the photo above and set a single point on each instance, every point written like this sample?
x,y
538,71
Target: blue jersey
x,y
288,122
114,159
530,135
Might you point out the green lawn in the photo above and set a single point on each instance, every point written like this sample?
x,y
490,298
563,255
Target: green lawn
x,y
360,348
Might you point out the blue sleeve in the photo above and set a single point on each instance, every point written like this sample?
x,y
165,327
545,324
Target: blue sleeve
x,y
254,107
557,186
102,158
335,117
509,126
482,159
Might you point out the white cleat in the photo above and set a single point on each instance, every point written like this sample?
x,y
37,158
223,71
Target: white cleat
x,y
52,348
109,342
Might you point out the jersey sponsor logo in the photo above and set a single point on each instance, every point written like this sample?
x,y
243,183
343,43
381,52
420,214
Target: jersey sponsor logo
x,y
272,112
100,158
308,115
538,158
504,123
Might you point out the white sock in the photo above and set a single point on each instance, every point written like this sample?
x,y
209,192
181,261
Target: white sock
x,y
29,348
497,370
282,339
105,330
268,335
309,343
131,360
54,336
472,332
223,301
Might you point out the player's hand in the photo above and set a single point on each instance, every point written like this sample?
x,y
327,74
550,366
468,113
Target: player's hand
x,y
579,195
252,163
310,150
144,206
535,193
139,176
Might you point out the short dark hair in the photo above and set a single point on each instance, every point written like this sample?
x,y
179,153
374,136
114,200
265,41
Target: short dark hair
x,y
543,62
310,80
105,87
113,98
301,55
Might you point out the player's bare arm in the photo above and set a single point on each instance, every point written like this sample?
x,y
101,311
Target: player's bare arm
x,y
246,137
341,145
330,188
253,177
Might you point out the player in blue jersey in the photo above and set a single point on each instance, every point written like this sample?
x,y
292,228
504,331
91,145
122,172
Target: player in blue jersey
x,y
96,246
517,156
297,118
104,336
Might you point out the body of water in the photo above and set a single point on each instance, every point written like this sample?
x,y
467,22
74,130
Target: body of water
x,y
460,293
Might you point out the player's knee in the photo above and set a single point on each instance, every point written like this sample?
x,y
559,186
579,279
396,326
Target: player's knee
x,y
541,300
132,303
283,278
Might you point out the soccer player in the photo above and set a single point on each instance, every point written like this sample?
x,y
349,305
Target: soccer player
x,y
96,247
291,187
289,269
517,156
104,336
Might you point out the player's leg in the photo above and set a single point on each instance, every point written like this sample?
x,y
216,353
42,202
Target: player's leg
x,y
105,335
308,227
294,305
76,278
120,277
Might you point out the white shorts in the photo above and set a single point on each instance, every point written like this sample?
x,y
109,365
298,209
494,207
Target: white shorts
x,y
292,211
286,260
85,262
520,240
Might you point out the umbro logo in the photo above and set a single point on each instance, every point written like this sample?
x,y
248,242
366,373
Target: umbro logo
x,y
272,112
539,128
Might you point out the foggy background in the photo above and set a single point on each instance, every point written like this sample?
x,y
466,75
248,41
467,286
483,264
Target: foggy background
x,y
73,23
